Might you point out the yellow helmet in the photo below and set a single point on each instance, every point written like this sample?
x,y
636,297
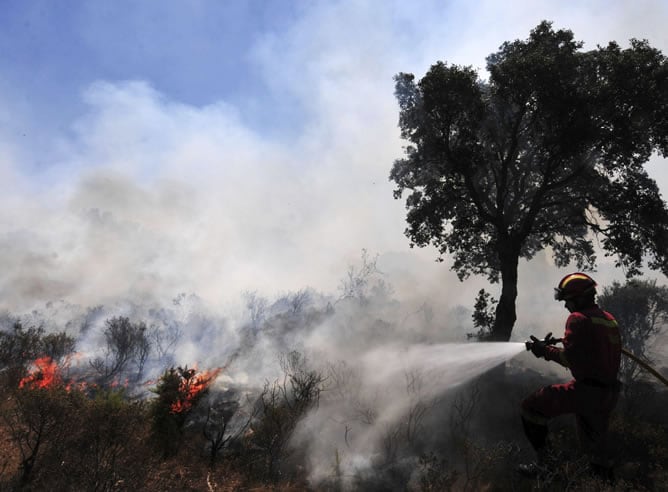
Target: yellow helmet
x,y
574,285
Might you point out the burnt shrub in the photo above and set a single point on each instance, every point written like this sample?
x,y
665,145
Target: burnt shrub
x,y
227,419
279,407
127,349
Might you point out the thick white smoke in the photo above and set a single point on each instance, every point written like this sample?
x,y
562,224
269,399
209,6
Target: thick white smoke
x,y
144,198
147,197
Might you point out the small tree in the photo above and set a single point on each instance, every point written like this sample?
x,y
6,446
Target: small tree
x,y
298,301
165,339
57,346
39,421
21,346
357,283
279,408
127,349
178,392
641,309
257,309
166,426
226,421
483,315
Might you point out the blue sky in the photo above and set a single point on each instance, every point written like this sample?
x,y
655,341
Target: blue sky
x,y
154,147
196,52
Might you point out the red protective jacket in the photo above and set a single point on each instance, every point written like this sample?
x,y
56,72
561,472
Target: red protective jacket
x,y
592,346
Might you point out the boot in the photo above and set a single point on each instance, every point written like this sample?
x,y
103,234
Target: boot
x,y
535,469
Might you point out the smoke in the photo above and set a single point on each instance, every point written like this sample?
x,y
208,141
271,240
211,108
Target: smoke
x,y
388,392
143,197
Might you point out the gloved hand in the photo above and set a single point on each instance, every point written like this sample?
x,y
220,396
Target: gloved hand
x,y
538,346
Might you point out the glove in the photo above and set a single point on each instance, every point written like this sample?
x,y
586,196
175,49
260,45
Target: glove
x,y
537,347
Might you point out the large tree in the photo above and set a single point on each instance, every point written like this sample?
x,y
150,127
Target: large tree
x,y
547,152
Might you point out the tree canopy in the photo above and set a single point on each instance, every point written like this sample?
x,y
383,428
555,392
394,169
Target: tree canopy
x,y
641,308
547,152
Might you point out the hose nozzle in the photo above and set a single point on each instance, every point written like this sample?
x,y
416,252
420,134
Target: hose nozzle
x,y
548,340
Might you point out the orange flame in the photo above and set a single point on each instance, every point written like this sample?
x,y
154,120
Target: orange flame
x,y
46,374
191,387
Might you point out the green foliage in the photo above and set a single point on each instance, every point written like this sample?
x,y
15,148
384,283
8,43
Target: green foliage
x,y
550,147
178,392
641,308
167,426
110,447
57,346
18,348
67,441
39,421
483,315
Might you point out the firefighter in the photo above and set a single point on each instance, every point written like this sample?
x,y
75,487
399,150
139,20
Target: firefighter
x,y
592,352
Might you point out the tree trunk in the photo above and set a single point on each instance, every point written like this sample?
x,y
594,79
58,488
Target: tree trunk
x,y
505,309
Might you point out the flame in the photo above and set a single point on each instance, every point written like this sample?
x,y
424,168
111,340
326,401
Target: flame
x,y
191,386
46,374
116,383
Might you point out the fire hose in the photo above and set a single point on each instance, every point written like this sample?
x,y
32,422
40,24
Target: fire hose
x,y
550,340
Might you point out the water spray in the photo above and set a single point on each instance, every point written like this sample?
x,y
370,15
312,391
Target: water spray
x,y
550,340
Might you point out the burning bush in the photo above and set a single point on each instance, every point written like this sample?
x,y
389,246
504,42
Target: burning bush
x,y
20,346
45,375
178,391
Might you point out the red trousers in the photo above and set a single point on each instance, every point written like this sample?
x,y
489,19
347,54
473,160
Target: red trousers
x,y
591,405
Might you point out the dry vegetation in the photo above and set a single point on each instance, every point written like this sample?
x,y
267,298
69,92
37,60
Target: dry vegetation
x,y
71,431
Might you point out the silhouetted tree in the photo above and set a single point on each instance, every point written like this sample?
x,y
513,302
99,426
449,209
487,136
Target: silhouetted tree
x,y
39,421
279,408
355,284
127,347
549,148
226,422
178,391
641,308
483,315
20,346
